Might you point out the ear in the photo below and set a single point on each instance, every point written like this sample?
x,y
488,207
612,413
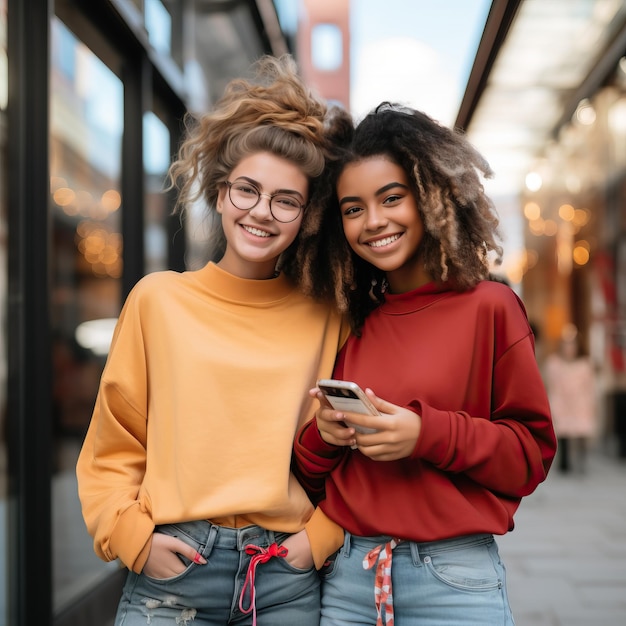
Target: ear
x,y
221,195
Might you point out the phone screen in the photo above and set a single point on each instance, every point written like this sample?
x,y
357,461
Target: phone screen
x,y
345,398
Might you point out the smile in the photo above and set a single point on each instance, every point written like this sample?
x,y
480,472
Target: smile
x,y
256,231
379,243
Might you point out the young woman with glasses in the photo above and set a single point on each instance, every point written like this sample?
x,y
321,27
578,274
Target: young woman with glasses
x,y
184,475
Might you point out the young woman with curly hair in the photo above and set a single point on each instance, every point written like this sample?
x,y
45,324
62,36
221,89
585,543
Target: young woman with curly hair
x,y
447,358
184,475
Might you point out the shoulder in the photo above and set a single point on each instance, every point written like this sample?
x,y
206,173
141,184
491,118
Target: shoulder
x,y
493,289
153,286
314,306
498,295
154,280
504,311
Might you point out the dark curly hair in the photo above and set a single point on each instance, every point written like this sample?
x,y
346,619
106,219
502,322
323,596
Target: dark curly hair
x,y
444,170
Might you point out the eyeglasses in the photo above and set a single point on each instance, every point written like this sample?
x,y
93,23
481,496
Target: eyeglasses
x,y
284,207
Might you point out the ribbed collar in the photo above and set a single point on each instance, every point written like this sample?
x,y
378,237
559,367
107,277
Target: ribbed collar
x,y
411,301
232,288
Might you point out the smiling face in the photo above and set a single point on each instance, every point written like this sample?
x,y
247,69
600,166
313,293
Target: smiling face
x,y
254,239
381,221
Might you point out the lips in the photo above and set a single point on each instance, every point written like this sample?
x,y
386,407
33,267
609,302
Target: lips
x,y
256,231
385,241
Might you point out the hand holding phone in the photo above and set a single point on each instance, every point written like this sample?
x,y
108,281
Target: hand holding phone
x,y
344,395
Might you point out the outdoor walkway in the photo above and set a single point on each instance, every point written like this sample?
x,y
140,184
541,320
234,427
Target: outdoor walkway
x,y
566,557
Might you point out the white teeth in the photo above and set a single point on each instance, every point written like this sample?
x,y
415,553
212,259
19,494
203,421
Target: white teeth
x,y
256,231
383,242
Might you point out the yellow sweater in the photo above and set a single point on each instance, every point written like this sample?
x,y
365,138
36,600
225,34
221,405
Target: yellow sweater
x,y
204,388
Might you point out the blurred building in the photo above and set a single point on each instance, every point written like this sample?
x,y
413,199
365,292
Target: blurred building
x,y
92,99
323,48
546,102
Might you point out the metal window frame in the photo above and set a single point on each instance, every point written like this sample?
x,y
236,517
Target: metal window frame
x,y
29,421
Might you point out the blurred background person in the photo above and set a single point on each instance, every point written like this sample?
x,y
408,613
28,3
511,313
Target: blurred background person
x,y
571,385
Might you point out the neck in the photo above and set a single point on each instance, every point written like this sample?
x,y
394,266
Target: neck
x,y
255,271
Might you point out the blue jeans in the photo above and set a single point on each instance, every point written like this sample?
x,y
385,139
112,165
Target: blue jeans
x,y
453,582
209,595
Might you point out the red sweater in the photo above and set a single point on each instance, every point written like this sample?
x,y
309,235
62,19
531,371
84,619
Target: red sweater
x,y
465,362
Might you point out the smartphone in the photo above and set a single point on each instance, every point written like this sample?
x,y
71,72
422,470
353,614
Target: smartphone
x,y
344,395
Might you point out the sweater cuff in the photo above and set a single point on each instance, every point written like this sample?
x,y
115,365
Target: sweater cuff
x,y
325,537
311,439
131,539
140,561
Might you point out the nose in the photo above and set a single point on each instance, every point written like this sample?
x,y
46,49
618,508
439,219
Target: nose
x,y
262,210
376,217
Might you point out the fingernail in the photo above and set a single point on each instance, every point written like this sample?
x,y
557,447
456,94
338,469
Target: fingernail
x,y
199,559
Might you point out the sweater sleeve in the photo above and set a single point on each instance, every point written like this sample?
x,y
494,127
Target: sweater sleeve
x,y
325,536
511,451
111,464
314,459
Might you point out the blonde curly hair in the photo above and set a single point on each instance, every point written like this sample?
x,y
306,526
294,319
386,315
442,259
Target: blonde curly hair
x,y
275,112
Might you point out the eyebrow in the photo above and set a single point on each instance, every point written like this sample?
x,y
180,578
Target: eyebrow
x,y
259,186
378,192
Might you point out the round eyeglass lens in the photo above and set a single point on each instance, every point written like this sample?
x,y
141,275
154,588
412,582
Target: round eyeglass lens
x,y
283,207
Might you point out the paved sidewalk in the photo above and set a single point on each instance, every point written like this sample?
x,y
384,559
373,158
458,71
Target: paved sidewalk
x,y
566,557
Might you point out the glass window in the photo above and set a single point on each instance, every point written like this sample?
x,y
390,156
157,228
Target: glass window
x,y
86,122
326,47
159,26
3,321
156,155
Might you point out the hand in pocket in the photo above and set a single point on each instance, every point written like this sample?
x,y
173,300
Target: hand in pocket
x,y
164,559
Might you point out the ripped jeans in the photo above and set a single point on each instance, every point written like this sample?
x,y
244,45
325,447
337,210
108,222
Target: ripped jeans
x,y
215,594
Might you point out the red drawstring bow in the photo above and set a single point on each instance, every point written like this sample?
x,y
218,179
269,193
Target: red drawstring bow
x,y
259,555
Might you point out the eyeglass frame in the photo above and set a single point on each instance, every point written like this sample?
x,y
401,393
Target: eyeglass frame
x,y
269,196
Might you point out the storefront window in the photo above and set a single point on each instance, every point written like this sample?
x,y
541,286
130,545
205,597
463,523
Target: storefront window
x,y
86,119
